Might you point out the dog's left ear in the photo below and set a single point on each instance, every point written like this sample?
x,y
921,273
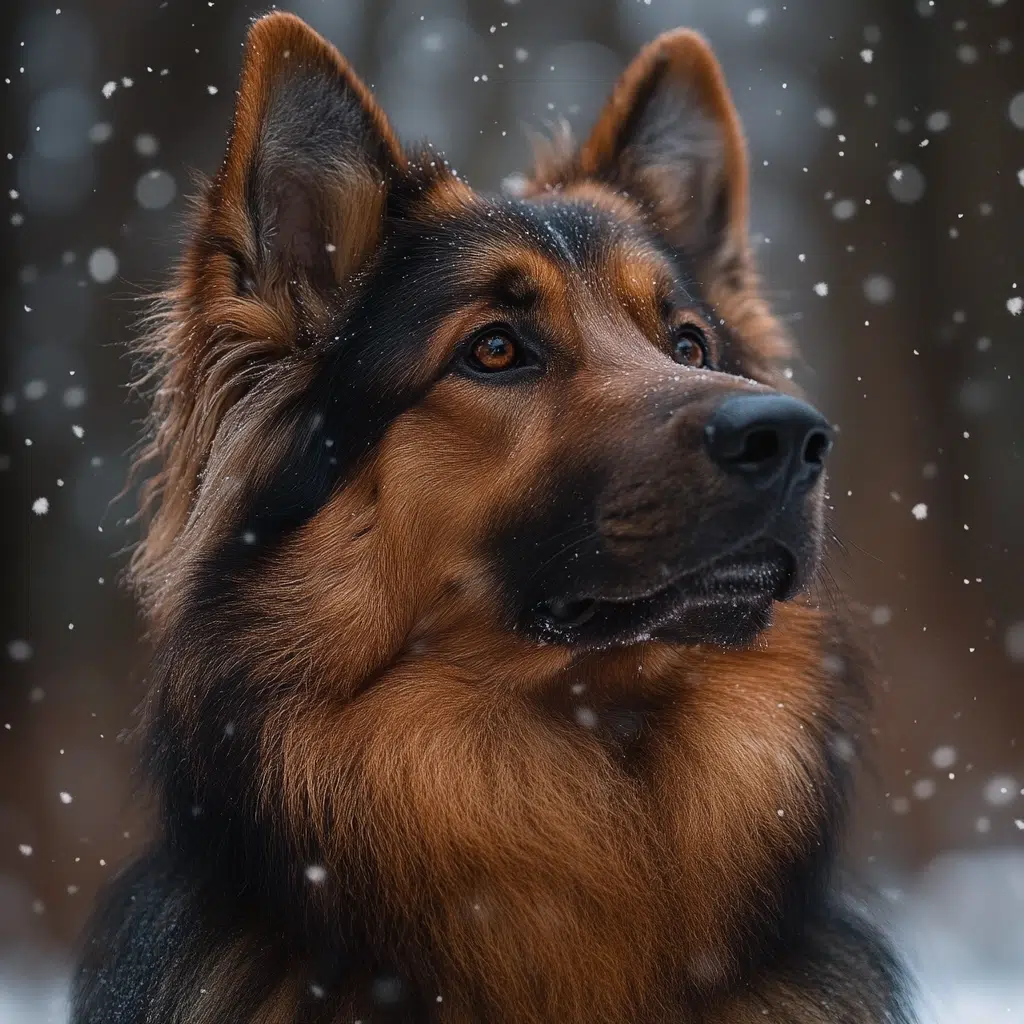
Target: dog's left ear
x,y
670,137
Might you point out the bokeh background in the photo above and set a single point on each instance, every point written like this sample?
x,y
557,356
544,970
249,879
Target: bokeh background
x,y
887,149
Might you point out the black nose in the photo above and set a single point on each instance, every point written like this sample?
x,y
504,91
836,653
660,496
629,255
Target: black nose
x,y
768,438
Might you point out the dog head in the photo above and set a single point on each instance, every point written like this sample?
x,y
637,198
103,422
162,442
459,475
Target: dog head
x,y
424,454
386,396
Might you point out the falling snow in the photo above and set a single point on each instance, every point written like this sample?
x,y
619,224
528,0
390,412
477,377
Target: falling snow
x,y
19,650
923,789
101,132
155,189
881,615
878,289
1001,790
906,184
102,265
146,144
844,209
1016,111
844,127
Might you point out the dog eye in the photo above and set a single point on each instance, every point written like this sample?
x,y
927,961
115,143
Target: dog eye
x,y
691,348
493,352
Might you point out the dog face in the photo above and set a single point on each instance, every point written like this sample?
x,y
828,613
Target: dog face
x,y
678,498
561,409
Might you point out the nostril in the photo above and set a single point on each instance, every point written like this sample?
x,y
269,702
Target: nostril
x,y
759,446
816,447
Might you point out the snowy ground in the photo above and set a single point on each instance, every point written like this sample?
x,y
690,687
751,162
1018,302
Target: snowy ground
x,y
962,922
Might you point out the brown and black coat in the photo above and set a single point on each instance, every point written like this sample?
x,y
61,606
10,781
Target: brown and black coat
x,y
401,779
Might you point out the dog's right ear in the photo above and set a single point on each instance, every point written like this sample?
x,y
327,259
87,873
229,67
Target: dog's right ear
x,y
298,204
296,210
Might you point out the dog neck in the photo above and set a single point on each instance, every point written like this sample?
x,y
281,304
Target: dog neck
x,y
648,813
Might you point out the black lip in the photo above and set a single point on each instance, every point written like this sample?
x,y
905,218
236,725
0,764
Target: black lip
x,y
728,599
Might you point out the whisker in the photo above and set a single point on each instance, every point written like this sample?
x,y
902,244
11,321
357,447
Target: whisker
x,y
591,535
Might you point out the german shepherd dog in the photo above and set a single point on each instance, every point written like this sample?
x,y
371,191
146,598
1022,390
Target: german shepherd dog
x,y
486,688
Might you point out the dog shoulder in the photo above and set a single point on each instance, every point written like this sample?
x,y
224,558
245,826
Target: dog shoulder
x,y
844,972
150,955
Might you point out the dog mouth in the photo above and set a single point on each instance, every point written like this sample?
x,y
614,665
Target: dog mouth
x,y
727,600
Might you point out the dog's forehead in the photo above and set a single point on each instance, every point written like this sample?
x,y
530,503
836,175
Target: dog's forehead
x,y
552,242
576,235
572,233
499,253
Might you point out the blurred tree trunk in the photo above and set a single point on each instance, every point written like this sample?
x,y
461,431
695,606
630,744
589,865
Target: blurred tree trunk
x,y
949,681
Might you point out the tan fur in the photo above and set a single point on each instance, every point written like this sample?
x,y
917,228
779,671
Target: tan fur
x,y
544,860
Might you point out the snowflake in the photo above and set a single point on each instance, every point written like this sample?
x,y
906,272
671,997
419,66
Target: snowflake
x,y
103,265
878,289
19,650
923,789
1000,790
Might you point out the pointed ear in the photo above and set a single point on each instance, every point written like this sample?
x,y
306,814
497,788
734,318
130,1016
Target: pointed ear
x,y
299,201
295,211
670,137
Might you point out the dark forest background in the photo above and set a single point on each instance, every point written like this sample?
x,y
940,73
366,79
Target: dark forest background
x,y
887,151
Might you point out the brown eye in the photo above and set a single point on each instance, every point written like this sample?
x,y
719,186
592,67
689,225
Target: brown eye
x,y
691,346
494,352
